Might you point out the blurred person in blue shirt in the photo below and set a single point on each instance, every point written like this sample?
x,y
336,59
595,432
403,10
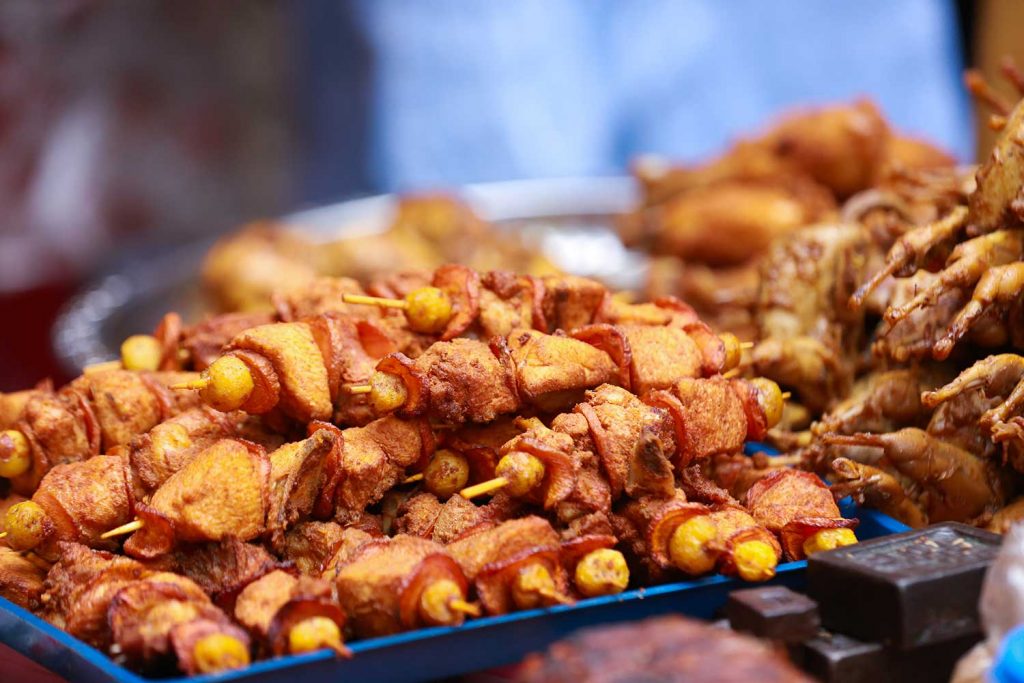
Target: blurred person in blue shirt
x,y
406,94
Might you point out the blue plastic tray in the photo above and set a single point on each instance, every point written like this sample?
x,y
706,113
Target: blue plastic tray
x,y
427,653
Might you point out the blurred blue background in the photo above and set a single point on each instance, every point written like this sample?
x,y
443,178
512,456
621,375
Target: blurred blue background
x,y
401,94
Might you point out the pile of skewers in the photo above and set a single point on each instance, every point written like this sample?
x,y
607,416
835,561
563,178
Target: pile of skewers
x,y
434,447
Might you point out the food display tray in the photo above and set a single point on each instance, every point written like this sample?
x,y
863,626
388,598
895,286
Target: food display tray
x,y
425,654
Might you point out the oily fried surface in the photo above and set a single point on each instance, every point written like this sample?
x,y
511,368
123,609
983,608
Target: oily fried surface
x,y
124,404
21,581
505,540
374,457
85,499
714,419
293,352
665,649
310,544
221,569
221,493
570,302
660,356
552,371
465,382
259,601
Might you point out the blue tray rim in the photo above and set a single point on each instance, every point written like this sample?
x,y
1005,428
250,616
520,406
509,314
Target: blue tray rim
x,y
294,663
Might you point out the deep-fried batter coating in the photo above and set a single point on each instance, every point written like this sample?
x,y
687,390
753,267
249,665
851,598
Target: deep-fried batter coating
x,y
322,295
352,539
21,580
634,441
380,589
204,342
795,505
570,302
222,492
728,223
661,356
492,557
711,416
82,501
310,544
552,371
146,618
508,302
61,428
81,585
448,382
665,649
418,514
459,516
260,600
224,568
124,403
298,475
374,458
304,391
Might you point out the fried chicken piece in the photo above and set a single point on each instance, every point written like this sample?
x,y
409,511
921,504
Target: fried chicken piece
x,y
163,618
634,441
98,412
276,603
418,514
798,507
730,222
224,568
388,586
288,360
666,649
479,444
309,545
514,565
81,585
222,492
710,418
80,501
552,372
644,527
374,458
169,446
322,295
570,301
459,516
299,473
21,580
12,404
509,302
347,549
456,382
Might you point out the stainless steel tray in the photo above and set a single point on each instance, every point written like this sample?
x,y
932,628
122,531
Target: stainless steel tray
x,y
570,218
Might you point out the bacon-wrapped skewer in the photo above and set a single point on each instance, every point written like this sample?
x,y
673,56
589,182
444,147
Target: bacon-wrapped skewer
x,y
292,615
300,367
391,585
93,414
665,534
232,488
636,443
470,381
145,617
514,565
800,509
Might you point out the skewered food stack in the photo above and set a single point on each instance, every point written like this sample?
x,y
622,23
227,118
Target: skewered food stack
x,y
515,440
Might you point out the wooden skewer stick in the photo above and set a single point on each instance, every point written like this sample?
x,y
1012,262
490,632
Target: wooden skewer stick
x,y
731,373
786,395
383,302
3,534
359,388
747,345
483,487
200,383
553,595
464,607
128,528
414,478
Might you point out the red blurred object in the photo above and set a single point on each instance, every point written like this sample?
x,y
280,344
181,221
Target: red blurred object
x,y
26,353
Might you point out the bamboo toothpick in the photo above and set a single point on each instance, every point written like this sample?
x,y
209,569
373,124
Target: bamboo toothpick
x,y
464,607
128,528
414,478
484,487
359,388
374,301
200,383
